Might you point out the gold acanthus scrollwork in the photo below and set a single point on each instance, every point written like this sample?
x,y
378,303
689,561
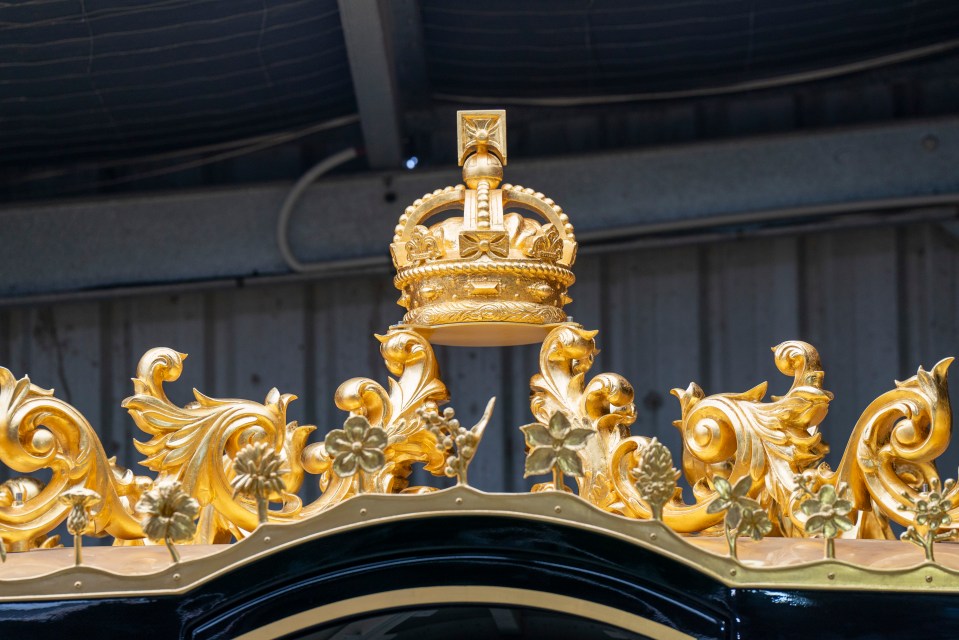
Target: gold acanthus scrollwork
x,y
39,431
195,445
604,404
728,435
889,460
892,451
737,435
409,357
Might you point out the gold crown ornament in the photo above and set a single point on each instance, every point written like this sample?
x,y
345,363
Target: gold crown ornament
x,y
495,275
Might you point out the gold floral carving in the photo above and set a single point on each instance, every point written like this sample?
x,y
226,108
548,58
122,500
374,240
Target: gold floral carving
x,y
457,443
554,448
229,455
409,356
258,474
195,445
742,516
81,500
169,515
931,514
356,448
826,510
603,405
655,478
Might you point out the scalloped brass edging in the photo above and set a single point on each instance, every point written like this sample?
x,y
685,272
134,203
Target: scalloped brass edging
x,y
560,508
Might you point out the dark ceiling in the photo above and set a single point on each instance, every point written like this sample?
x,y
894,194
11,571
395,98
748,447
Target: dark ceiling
x,y
96,88
99,78
535,49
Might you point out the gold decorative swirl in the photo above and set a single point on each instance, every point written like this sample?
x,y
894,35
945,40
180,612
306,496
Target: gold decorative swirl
x,y
409,356
604,405
195,445
736,436
892,450
40,431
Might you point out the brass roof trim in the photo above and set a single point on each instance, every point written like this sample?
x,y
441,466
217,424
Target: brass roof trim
x,y
202,563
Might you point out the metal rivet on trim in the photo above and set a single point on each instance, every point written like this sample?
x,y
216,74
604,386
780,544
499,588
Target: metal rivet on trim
x,y
732,572
928,578
176,577
459,501
362,512
558,509
77,584
266,539
831,575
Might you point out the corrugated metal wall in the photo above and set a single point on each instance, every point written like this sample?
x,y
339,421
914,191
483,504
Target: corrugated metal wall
x,y
877,303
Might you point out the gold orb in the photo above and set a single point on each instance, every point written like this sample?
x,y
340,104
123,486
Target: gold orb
x,y
482,166
42,441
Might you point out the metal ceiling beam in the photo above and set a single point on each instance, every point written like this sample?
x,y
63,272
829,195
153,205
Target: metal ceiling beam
x,y
369,46
612,198
409,53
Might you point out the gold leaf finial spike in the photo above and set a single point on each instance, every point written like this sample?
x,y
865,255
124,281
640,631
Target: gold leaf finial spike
x,y
357,447
554,449
744,516
80,499
457,443
259,474
826,510
169,515
655,477
931,514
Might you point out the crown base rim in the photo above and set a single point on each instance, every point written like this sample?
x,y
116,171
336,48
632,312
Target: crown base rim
x,y
483,334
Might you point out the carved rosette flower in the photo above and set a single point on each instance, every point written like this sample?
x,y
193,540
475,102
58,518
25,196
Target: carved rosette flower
x,y
930,514
743,515
356,448
826,512
259,474
554,448
78,521
169,514
754,523
655,477
731,498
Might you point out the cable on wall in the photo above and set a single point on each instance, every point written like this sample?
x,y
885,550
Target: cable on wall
x,y
283,221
